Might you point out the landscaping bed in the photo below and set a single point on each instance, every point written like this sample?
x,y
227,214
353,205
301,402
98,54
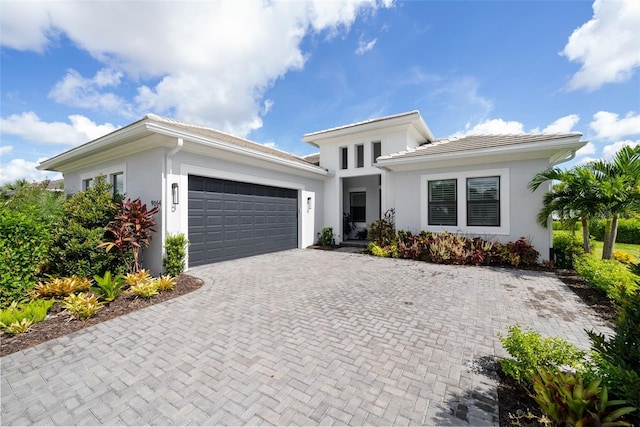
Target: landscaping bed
x,y
58,323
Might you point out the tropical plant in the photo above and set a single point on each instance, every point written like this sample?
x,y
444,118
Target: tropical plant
x,y
17,318
574,198
165,283
383,231
82,305
568,401
565,248
610,276
175,248
131,230
61,287
325,238
145,289
140,276
348,224
620,190
108,288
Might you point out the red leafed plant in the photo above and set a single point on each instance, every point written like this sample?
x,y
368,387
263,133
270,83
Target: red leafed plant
x,y
131,229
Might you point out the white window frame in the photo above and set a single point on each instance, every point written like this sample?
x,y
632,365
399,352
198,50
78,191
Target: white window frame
x,y
462,227
108,172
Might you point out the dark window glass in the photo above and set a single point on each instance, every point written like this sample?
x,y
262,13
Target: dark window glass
x,y
483,201
359,156
377,150
443,202
343,158
117,182
358,206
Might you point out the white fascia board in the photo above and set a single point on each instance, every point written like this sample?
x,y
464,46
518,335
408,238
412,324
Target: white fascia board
x,y
412,119
120,136
484,152
225,146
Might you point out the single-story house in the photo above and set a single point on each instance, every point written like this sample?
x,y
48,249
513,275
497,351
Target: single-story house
x,y
233,197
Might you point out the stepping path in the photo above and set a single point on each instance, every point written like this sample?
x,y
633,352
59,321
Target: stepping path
x,y
301,337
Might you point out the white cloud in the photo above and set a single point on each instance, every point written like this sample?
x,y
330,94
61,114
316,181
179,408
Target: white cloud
x,y
6,149
203,62
77,91
607,46
271,145
30,127
492,127
610,127
364,47
22,169
587,150
563,124
608,151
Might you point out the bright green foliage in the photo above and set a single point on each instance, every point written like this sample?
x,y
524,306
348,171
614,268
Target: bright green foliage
x,y
618,357
24,240
529,351
326,237
383,231
108,288
17,318
565,247
145,289
378,251
175,248
610,276
83,305
165,283
628,230
61,287
568,401
36,199
80,230
623,257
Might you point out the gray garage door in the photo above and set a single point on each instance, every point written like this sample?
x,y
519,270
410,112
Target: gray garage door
x,y
229,219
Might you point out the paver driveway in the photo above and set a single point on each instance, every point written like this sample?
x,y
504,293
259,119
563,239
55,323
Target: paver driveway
x,y
297,337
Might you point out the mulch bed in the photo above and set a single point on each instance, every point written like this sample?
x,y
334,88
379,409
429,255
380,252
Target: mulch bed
x,y
58,323
514,401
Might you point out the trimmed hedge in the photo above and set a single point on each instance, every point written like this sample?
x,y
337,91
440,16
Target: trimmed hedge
x,y
565,247
611,276
628,230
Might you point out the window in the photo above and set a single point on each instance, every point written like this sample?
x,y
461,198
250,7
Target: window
x,y
87,183
443,202
483,201
359,156
376,148
358,206
117,182
343,158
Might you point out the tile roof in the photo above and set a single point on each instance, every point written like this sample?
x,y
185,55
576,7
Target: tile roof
x,y
364,122
225,137
478,142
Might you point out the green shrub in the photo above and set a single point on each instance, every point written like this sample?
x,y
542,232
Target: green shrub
x,y
618,357
610,276
108,288
559,225
529,351
383,231
17,318
628,230
175,248
325,238
565,248
80,230
376,250
24,241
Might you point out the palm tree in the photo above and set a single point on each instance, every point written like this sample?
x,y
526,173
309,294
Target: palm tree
x,y
620,190
575,197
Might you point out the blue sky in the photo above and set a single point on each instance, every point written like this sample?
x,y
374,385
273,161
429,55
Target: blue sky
x,y
271,71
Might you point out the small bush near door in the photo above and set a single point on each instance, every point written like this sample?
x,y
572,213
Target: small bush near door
x,y
175,254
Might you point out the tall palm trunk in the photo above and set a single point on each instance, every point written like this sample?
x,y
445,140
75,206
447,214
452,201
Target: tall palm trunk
x,y
586,243
610,234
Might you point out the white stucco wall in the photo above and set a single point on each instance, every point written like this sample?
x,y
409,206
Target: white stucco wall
x,y
407,192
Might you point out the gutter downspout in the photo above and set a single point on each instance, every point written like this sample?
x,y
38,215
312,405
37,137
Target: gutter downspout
x,y
168,198
568,159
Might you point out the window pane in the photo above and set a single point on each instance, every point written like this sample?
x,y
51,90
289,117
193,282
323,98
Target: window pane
x,y
343,158
443,206
117,181
483,201
358,207
377,150
359,156
87,183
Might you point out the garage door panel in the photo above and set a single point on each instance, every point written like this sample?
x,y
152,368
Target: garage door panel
x,y
229,219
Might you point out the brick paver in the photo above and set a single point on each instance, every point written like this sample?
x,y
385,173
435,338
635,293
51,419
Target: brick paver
x,y
298,337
